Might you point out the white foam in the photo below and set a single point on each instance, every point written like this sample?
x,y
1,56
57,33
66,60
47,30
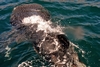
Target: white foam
x,y
42,24
25,64
7,52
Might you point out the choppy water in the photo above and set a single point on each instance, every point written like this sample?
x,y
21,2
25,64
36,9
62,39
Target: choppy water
x,y
81,20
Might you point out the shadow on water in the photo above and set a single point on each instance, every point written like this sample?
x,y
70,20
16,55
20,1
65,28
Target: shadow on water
x,y
81,22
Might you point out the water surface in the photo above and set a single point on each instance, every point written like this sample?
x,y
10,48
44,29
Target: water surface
x,y
81,22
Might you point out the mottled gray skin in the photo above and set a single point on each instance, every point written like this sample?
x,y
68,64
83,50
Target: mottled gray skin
x,y
65,51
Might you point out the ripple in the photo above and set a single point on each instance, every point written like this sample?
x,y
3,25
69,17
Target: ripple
x,y
69,14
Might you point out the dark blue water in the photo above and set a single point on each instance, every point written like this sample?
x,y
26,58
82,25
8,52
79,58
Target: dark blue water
x,y
81,22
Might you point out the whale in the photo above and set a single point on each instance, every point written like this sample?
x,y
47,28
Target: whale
x,y
48,39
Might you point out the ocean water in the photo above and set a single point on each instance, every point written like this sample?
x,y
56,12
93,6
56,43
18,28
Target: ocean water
x,y
81,22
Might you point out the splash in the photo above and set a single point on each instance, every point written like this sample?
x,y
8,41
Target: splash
x,y
43,25
26,64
